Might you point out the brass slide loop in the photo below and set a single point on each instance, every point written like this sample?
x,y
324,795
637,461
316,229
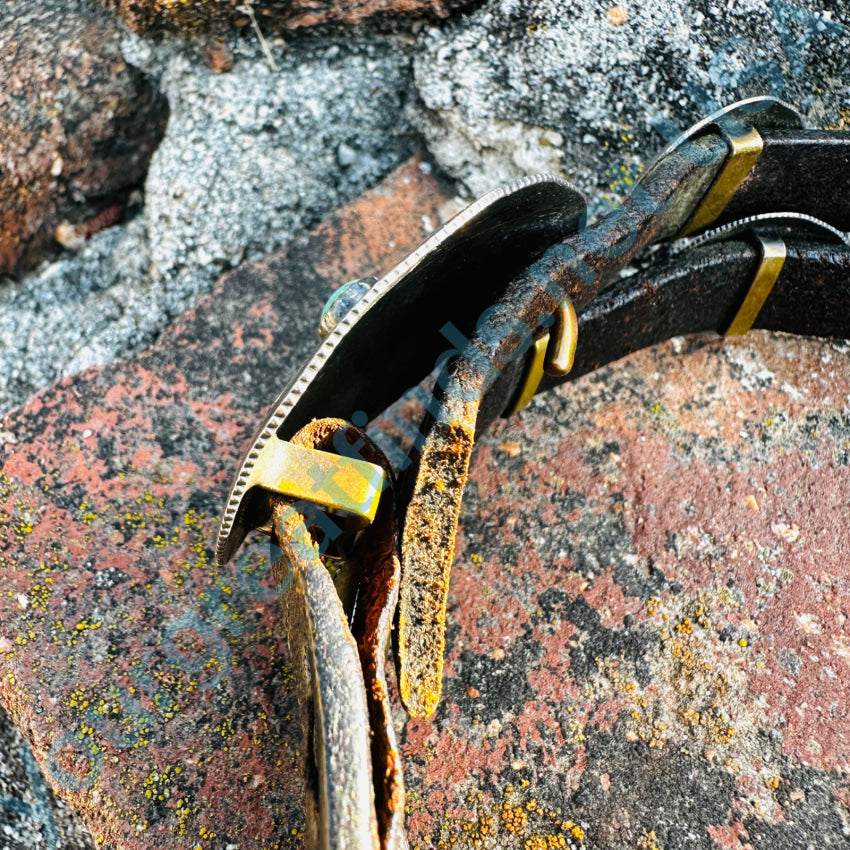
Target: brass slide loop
x,y
553,353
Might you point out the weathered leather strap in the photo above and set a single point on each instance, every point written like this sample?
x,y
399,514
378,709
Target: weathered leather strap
x,y
804,171
435,299
698,290
581,265
334,715
352,763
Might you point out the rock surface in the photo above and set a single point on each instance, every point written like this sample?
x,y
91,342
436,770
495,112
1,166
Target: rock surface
x,y
201,16
649,613
519,87
255,155
631,662
153,685
77,124
249,159
31,816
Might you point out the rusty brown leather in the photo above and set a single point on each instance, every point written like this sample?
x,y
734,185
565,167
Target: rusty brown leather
x,y
428,540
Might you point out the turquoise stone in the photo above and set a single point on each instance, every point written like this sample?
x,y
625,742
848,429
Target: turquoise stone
x,y
342,300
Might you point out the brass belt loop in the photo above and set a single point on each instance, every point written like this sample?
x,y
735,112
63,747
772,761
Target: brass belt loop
x,y
553,353
773,255
744,151
533,375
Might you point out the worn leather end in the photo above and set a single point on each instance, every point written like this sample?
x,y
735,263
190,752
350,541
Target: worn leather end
x,y
340,799
428,541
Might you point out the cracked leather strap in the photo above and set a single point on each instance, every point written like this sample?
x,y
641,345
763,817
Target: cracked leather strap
x,y
581,267
665,199
803,171
355,792
668,193
428,539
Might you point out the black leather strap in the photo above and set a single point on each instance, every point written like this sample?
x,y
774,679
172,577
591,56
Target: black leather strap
x,y
805,171
702,289
802,171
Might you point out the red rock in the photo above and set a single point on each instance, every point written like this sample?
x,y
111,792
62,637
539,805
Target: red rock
x,y
219,57
673,664
193,16
77,128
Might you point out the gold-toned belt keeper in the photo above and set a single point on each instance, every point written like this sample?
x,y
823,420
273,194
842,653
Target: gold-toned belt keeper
x,y
554,353
326,479
745,149
773,255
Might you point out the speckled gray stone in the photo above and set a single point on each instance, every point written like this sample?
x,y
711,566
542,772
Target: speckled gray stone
x,y
79,311
249,159
31,816
519,87
253,156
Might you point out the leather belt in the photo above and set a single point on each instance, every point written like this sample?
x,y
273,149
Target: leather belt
x,y
489,305
702,287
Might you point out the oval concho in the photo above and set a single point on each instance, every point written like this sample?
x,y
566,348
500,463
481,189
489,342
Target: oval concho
x,y
390,339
